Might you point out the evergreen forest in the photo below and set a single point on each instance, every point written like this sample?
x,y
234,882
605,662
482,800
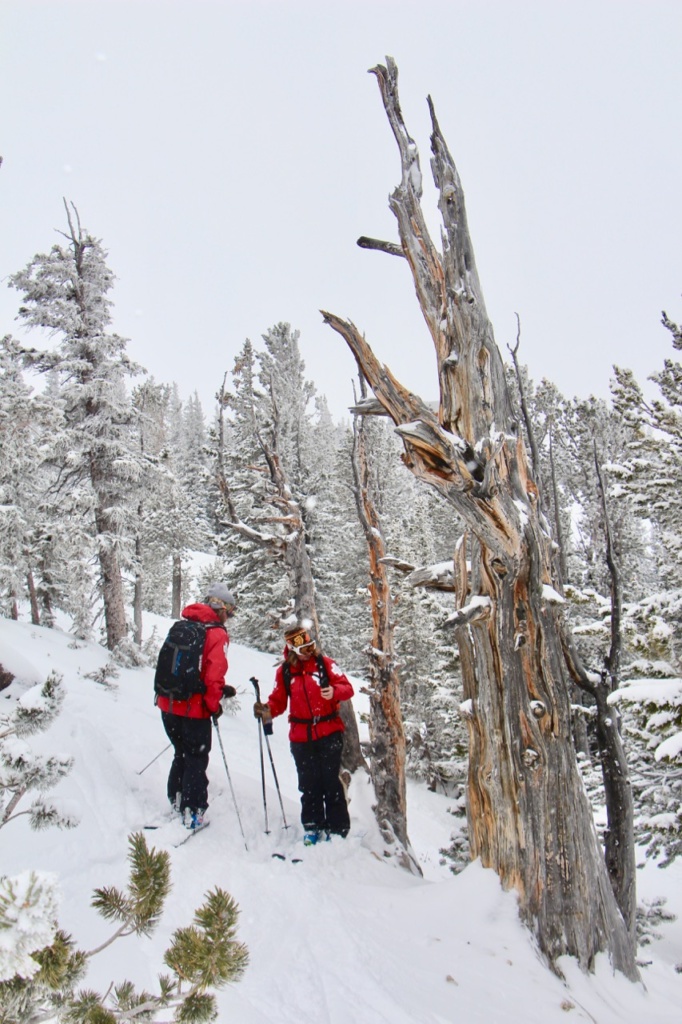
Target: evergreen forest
x,y
111,483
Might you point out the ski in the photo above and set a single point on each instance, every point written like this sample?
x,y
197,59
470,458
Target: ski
x,y
192,832
177,828
283,856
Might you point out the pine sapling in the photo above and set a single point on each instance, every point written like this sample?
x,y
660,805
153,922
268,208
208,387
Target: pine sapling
x,y
138,910
202,957
21,770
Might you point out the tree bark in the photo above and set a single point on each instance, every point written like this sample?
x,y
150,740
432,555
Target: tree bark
x,y
176,586
619,839
33,598
137,585
112,585
530,432
563,571
529,817
107,554
387,736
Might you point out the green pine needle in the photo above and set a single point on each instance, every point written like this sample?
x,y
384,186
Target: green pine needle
x,y
206,954
87,1008
148,887
197,1009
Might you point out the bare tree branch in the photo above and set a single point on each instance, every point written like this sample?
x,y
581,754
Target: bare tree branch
x,y
375,243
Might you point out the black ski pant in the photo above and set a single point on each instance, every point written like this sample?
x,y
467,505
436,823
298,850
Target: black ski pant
x,y
323,798
191,739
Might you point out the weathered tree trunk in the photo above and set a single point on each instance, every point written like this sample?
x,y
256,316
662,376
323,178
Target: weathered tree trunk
x,y
112,596
619,837
111,580
529,817
352,757
48,611
558,531
578,725
387,736
299,568
137,589
530,432
176,586
33,598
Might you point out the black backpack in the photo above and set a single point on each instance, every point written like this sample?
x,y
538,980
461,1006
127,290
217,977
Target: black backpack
x,y
321,668
178,668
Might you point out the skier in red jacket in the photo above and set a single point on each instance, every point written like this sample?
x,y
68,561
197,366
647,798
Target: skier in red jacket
x,y
188,722
314,690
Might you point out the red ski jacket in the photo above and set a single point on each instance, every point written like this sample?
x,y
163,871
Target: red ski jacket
x,y
213,668
310,716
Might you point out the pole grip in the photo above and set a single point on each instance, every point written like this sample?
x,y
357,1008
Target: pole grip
x,y
267,726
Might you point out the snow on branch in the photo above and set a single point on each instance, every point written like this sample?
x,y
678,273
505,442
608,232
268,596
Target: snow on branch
x,y
440,576
28,911
478,608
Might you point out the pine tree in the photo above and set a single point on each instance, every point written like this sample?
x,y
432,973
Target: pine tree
x,y
652,470
650,701
65,292
38,981
172,518
340,558
242,477
24,771
18,490
265,473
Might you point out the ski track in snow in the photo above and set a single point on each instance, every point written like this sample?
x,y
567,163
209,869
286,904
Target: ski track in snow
x,y
344,937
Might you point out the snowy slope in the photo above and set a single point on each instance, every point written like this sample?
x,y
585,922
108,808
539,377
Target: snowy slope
x,y
342,936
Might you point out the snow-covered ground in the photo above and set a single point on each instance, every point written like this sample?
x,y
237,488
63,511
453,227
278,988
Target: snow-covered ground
x,y
343,936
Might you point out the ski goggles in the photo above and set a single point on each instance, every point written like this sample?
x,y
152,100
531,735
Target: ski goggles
x,y
301,644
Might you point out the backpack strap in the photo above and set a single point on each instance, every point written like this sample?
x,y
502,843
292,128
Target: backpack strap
x,y
324,681
321,668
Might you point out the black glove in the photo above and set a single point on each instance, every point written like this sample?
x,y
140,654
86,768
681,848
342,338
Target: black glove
x,y
229,691
216,715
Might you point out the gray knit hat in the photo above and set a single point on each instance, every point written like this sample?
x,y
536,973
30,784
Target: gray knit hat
x,y
218,595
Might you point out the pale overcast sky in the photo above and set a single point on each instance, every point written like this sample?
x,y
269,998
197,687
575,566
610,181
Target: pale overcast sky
x,y
230,153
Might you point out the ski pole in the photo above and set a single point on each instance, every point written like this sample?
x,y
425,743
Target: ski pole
x,y
154,759
227,772
262,763
272,763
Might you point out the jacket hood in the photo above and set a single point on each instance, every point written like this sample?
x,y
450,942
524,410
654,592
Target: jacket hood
x,y
200,613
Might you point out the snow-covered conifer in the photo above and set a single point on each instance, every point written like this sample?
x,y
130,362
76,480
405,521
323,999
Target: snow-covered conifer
x,y
28,912
651,471
39,974
65,292
18,465
265,476
22,771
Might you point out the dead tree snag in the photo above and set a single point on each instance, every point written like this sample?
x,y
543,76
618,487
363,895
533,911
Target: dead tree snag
x,y
529,818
